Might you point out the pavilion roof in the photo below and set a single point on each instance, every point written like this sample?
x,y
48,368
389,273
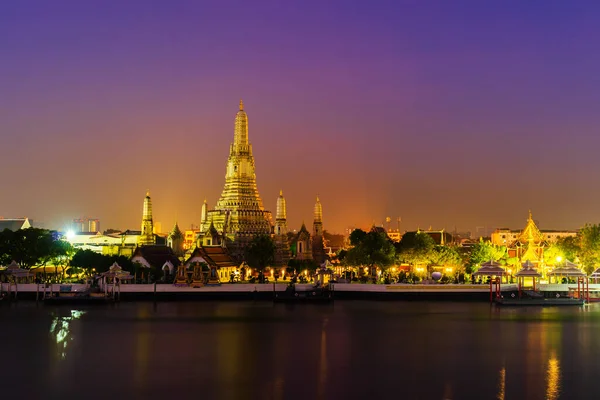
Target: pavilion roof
x,y
566,271
528,272
490,269
596,273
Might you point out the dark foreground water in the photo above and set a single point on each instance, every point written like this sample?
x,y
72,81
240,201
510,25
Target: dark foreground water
x,y
350,350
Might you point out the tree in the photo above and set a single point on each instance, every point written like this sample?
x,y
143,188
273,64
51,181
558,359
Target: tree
x,y
485,251
260,252
589,241
552,254
415,248
445,255
28,247
373,249
569,247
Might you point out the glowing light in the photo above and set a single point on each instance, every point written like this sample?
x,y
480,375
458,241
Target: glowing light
x,y
559,259
70,234
449,269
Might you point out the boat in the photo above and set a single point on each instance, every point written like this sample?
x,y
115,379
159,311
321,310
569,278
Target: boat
x,y
564,301
313,295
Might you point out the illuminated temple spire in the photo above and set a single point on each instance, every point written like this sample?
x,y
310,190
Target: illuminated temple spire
x,y
147,232
240,135
239,212
318,218
281,215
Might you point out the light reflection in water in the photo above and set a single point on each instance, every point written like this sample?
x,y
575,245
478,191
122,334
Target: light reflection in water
x,y
322,363
553,379
60,330
501,384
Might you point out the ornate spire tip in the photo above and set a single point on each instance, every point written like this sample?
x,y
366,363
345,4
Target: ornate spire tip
x,y
281,192
241,105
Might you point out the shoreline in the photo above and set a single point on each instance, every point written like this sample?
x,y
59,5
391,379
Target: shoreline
x,y
265,292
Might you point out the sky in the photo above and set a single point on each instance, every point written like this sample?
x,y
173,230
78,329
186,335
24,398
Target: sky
x,y
448,114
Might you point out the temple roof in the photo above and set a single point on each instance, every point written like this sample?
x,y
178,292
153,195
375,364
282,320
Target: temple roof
x,y
176,232
490,268
531,233
14,224
156,255
213,255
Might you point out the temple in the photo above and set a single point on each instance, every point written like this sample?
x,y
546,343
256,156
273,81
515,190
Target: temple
x,y
528,244
239,214
280,234
306,246
147,233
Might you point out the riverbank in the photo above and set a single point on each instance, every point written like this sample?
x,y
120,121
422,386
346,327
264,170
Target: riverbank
x,y
246,291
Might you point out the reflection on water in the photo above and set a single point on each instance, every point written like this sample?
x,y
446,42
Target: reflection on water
x,y
322,363
60,330
352,350
501,384
553,379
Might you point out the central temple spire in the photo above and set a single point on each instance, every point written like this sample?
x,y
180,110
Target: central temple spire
x,y
239,214
240,135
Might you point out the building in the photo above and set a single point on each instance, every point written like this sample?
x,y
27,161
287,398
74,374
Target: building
x,y
113,244
189,238
216,257
506,236
85,225
157,258
14,224
239,214
307,246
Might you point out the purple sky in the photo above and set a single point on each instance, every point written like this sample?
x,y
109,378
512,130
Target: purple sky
x,y
446,113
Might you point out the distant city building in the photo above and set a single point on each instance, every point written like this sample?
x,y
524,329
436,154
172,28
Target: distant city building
x,y
117,244
394,234
14,224
189,238
85,225
239,215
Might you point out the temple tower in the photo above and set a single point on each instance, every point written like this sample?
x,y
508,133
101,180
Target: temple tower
x,y
281,216
318,219
280,237
203,215
175,240
318,243
147,233
239,213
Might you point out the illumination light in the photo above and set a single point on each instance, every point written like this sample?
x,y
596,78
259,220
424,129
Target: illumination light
x,y
70,234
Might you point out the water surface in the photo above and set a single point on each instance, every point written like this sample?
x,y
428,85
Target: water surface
x,y
349,350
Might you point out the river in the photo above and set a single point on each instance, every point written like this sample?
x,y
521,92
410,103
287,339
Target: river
x,y
348,350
